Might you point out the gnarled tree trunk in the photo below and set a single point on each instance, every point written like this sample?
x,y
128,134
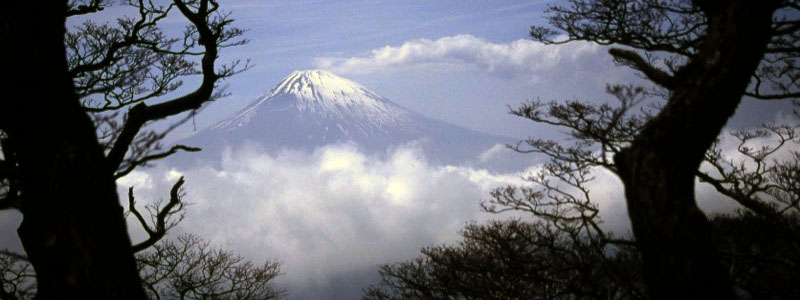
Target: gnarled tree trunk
x,y
73,228
658,168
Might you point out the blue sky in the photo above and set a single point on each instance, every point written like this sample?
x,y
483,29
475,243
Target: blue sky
x,y
473,58
287,35
292,35
457,86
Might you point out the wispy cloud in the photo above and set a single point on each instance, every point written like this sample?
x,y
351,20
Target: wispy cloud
x,y
521,58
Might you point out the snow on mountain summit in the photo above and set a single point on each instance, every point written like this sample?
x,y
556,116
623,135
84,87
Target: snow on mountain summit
x,y
314,108
326,89
324,94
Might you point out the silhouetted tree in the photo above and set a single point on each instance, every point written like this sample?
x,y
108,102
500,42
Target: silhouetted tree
x,y
564,253
762,256
189,269
186,268
18,280
514,260
703,56
62,145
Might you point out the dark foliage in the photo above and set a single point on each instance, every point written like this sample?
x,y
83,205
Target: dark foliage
x,y
188,268
702,58
64,145
513,260
184,268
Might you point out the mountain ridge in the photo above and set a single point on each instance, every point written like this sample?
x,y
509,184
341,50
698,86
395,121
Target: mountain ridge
x,y
313,108
327,94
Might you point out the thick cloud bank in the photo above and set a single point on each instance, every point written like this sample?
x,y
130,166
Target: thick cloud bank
x,y
332,215
330,212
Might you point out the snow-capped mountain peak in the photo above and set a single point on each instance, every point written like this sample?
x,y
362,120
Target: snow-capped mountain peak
x,y
326,95
311,86
311,109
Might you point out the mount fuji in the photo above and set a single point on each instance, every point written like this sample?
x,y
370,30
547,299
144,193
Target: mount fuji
x,y
313,108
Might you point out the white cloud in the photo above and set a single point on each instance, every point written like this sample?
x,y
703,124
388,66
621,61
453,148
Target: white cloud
x,y
521,58
607,191
334,210
470,81
136,178
493,152
339,211
709,199
173,175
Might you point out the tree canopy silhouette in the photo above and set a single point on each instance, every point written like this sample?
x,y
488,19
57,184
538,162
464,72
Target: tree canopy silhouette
x,y
702,57
563,251
64,142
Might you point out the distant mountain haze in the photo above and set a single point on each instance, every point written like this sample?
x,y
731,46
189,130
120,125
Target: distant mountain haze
x,y
313,108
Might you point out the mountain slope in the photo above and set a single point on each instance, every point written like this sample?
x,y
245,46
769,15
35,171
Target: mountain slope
x,y
309,109
326,96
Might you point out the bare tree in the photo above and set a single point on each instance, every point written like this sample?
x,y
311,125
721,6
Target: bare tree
x,y
189,269
762,180
703,56
514,260
54,168
18,279
564,252
184,268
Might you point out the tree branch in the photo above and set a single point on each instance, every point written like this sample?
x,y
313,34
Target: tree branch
x,y
132,38
15,255
749,203
162,216
144,160
93,7
635,61
142,113
784,96
136,213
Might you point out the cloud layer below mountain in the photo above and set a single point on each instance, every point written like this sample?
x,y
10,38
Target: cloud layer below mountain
x,y
335,210
334,214
331,211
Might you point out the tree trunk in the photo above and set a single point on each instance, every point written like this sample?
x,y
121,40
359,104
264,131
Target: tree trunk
x,y
658,168
73,229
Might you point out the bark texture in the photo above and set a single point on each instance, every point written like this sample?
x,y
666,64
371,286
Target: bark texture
x,y
658,169
73,228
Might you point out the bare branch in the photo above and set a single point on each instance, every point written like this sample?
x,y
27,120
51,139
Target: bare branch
x,y
210,32
190,268
144,160
636,62
511,260
748,202
14,255
17,278
75,9
162,216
